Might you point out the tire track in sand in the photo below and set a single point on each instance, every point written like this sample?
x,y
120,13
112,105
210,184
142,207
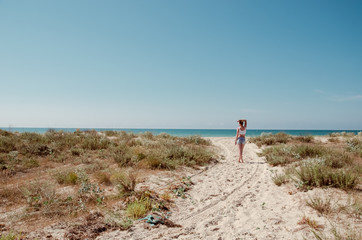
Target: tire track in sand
x,y
243,189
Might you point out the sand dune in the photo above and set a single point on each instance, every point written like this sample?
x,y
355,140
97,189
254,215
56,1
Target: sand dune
x,y
231,200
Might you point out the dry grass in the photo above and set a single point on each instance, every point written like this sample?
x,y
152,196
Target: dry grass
x,y
316,165
82,161
311,223
346,234
126,181
309,164
323,206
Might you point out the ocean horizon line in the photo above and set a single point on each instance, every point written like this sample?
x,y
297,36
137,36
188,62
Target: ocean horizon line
x,y
181,132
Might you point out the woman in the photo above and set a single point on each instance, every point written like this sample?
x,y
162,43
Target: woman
x,y
240,138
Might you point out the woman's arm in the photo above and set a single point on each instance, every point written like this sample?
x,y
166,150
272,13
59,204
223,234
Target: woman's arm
x,y
237,134
245,123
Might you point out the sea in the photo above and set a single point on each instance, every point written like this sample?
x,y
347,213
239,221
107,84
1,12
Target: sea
x,y
191,132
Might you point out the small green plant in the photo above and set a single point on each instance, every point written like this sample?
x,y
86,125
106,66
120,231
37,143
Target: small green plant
x,y
139,208
66,177
279,179
11,236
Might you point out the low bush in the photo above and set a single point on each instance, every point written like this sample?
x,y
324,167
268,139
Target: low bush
x,y
126,181
139,208
111,133
355,145
305,139
66,177
315,174
271,139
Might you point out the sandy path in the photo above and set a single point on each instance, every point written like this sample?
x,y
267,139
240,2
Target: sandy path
x,y
230,200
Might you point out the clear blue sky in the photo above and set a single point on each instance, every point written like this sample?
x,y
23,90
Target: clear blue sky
x,y
181,64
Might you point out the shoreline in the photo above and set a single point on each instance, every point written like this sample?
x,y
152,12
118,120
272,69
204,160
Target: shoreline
x,y
193,132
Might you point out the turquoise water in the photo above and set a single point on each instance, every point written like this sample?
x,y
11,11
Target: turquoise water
x,y
188,132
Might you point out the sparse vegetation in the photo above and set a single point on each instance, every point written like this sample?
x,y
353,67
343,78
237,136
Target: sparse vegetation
x,y
84,163
311,223
139,208
355,145
347,234
66,177
313,163
323,206
126,181
279,179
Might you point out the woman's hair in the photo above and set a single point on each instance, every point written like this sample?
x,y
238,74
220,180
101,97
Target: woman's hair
x,y
241,122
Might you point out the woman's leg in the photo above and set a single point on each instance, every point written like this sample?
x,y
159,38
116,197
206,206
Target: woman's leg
x,y
240,152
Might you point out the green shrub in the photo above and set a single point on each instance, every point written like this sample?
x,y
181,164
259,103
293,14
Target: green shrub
x,y
7,144
336,159
305,139
66,177
76,151
196,140
95,143
271,139
111,133
316,174
279,179
123,156
355,145
308,151
279,155
30,163
148,135
139,208
6,133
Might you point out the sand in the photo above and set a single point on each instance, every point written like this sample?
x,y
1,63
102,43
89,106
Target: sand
x,y
232,200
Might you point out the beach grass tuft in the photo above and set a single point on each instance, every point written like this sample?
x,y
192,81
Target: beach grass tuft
x,y
280,179
323,206
126,181
139,208
311,223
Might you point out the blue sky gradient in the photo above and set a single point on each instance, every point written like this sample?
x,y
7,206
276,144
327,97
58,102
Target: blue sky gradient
x,y
181,64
